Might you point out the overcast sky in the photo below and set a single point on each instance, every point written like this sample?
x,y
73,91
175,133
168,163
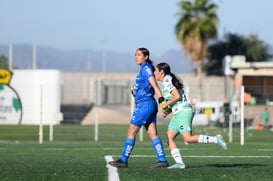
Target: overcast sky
x,y
120,25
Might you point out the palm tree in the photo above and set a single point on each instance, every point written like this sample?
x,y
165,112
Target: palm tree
x,y
197,24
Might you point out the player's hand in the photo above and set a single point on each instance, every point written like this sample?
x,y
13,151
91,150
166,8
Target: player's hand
x,y
132,89
163,105
160,100
166,112
165,108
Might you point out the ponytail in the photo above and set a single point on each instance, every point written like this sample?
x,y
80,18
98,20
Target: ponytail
x,y
167,70
176,82
151,63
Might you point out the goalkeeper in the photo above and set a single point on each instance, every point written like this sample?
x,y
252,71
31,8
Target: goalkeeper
x,y
145,111
182,115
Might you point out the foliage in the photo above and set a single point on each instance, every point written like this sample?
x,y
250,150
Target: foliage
x,y
252,47
197,23
255,49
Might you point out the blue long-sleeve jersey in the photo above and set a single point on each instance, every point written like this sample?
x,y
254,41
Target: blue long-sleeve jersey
x,y
143,88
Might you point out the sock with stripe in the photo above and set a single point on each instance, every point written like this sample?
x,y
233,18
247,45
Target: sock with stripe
x,y
177,156
159,150
127,149
207,139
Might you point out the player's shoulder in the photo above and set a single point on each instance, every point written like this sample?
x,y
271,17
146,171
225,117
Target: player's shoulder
x,y
146,66
167,79
147,69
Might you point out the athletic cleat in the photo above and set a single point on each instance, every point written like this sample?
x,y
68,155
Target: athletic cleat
x,y
221,142
118,163
160,164
177,166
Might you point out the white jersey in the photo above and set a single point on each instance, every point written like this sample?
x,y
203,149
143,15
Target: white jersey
x,y
168,87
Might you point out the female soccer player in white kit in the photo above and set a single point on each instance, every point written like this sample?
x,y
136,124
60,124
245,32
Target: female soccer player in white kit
x,y
182,115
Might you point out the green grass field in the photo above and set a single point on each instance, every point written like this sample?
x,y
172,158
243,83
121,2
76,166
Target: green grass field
x,y
74,155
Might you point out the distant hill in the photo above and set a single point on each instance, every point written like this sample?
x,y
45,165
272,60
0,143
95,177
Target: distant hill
x,y
88,60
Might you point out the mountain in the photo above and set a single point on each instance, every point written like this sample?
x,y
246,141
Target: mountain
x,y
86,60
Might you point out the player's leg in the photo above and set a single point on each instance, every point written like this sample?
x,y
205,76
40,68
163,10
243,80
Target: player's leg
x,y
175,152
157,145
214,140
128,147
187,118
129,143
205,139
150,125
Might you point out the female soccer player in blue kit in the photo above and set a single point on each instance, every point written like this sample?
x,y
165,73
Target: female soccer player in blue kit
x,y
145,111
182,115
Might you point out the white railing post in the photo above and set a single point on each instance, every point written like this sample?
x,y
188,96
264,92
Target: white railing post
x,y
242,134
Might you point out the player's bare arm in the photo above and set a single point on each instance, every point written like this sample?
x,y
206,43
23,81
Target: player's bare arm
x,y
155,86
176,96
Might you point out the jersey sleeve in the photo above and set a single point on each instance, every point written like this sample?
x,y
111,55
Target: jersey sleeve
x,y
147,71
168,84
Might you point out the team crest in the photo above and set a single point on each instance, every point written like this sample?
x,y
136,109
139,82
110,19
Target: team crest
x,y
10,103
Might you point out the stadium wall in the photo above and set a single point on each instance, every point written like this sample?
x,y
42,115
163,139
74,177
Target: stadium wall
x,y
114,88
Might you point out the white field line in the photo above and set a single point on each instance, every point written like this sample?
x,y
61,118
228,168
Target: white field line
x,y
112,171
198,156
111,149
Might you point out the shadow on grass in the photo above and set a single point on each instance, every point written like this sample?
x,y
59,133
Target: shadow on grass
x,y
240,165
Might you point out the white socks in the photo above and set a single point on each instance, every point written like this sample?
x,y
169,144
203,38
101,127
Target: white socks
x,y
177,156
202,139
207,139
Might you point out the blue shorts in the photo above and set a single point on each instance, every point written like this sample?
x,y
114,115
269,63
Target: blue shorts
x,y
145,113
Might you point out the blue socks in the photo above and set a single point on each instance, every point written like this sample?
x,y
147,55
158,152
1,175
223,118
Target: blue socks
x,y
127,149
159,149
130,143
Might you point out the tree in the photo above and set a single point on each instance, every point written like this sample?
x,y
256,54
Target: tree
x,y
197,24
251,47
3,62
256,50
231,45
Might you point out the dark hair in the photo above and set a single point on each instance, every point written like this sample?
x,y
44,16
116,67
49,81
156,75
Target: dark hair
x,y
167,70
146,52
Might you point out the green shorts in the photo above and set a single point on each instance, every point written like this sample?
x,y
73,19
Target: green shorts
x,y
181,122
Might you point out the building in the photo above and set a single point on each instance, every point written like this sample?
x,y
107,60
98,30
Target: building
x,y
256,77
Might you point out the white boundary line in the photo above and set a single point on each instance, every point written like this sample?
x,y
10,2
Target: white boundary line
x,y
112,171
108,149
198,156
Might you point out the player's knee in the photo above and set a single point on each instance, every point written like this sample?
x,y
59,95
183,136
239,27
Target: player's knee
x,y
152,133
170,139
187,139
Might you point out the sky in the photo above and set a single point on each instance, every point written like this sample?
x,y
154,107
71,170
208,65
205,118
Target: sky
x,y
120,25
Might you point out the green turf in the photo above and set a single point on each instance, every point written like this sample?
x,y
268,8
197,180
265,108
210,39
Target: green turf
x,y
74,155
